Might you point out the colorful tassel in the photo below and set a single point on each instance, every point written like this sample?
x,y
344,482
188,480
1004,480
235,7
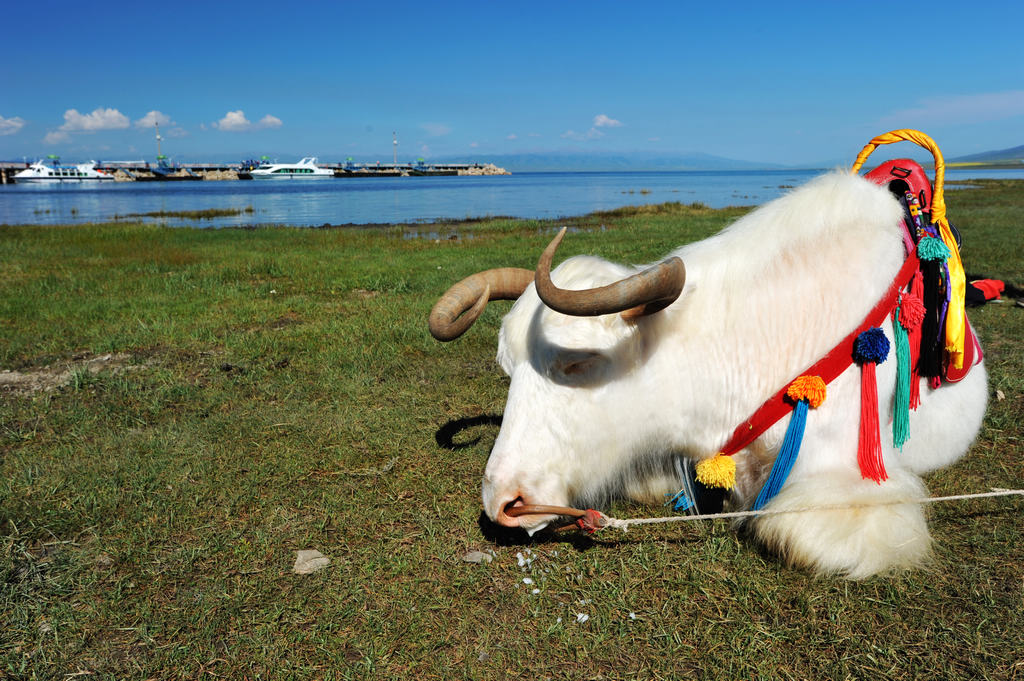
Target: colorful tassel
x,y
915,213
914,302
870,348
932,253
908,314
679,501
954,327
806,392
718,471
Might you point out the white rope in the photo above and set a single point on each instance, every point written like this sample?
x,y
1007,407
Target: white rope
x,y
624,524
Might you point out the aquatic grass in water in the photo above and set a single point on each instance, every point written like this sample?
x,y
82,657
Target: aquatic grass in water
x,y
280,392
205,214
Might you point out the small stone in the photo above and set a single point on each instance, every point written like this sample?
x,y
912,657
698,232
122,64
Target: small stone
x,y
483,657
1000,396
582,617
478,557
309,561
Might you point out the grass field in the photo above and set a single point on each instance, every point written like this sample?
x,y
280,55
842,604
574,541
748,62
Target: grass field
x,y
191,407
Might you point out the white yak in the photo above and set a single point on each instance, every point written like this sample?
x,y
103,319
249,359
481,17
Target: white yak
x,y
600,404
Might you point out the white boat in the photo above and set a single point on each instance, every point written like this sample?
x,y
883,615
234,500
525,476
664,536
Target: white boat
x,y
83,172
303,170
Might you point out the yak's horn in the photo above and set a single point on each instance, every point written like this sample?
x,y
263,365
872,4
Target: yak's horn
x,y
459,307
643,293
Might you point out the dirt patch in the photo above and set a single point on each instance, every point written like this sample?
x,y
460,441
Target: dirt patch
x,y
55,376
289,318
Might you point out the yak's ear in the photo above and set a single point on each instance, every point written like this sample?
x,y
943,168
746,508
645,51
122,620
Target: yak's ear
x,y
635,313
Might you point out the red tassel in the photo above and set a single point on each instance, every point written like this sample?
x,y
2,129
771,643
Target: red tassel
x,y
914,338
869,446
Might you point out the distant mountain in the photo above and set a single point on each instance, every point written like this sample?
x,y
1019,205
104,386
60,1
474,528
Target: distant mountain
x,y
1014,154
611,161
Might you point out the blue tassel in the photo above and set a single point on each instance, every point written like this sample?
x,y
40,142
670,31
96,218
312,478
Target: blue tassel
x,y
787,455
680,502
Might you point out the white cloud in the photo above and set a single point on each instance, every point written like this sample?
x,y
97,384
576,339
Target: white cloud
x,y
512,136
602,121
9,126
152,118
474,145
170,129
99,119
269,121
958,109
591,134
436,129
533,134
235,121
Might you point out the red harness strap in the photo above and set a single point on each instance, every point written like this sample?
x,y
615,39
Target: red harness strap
x,y
828,367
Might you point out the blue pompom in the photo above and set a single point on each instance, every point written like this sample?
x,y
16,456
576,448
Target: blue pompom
x,y
871,346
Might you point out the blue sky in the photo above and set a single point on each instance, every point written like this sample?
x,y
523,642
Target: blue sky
x,y
798,83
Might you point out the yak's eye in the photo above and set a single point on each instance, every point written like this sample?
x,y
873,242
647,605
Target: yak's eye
x,y
578,365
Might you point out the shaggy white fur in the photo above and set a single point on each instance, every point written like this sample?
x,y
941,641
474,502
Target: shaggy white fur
x,y
597,407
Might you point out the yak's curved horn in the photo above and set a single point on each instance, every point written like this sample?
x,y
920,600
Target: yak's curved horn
x,y
643,293
459,307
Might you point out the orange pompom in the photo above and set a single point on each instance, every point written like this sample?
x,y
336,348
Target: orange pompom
x,y
810,388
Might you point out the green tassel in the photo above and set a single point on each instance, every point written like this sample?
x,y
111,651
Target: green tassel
x,y
901,401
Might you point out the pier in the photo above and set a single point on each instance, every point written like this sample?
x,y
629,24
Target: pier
x,y
142,171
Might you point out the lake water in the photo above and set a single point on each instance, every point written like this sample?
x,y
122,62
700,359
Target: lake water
x,y
403,199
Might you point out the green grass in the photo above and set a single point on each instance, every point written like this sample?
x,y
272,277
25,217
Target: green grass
x,y
284,394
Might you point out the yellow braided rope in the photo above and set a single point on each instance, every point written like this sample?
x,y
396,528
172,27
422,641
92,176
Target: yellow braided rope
x,y
955,320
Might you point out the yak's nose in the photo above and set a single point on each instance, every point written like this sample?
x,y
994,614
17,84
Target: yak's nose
x,y
531,521
501,495
502,517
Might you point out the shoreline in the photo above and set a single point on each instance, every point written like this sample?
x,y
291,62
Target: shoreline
x,y
144,172
326,205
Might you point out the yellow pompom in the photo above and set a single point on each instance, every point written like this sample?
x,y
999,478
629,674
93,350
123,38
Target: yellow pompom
x,y
718,471
810,388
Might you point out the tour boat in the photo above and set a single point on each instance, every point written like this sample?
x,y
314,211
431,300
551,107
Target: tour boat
x,y
83,172
303,170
